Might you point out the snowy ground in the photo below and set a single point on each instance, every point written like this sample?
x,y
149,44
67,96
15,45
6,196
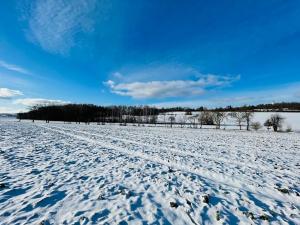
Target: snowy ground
x,y
93,174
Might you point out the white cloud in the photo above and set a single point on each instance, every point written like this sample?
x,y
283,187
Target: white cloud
x,y
39,101
172,88
54,24
6,93
14,68
155,71
118,75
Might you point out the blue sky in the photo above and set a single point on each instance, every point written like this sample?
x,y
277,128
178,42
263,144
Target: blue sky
x,y
163,53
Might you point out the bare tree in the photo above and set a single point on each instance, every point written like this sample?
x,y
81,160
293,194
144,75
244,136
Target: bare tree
x,y
182,121
153,119
207,118
256,126
248,117
192,119
276,121
268,124
172,120
239,118
188,113
218,117
201,118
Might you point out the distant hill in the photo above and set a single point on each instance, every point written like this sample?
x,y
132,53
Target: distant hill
x,y
272,107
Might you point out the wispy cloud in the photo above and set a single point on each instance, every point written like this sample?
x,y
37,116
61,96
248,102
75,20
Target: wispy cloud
x,y
39,101
54,24
6,93
172,88
155,71
13,67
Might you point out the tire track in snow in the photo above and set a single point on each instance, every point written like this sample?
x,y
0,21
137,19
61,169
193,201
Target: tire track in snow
x,y
208,175
179,152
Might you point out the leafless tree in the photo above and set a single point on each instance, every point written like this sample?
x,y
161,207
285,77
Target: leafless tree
x,y
188,113
201,118
268,124
276,121
218,117
153,119
182,121
172,120
248,117
205,118
239,118
192,119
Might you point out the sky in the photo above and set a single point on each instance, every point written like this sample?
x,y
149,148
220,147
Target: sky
x,y
163,53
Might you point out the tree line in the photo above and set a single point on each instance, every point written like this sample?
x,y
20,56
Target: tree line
x,y
216,118
274,107
90,113
144,114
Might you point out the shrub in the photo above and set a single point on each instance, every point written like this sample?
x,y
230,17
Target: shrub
x,y
256,126
289,129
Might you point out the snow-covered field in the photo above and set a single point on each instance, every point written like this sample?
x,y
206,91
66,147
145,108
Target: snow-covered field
x,y
107,174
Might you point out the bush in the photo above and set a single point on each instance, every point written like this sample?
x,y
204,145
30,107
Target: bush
x,y
289,129
256,126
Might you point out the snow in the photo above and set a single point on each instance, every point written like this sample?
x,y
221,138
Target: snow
x,y
60,173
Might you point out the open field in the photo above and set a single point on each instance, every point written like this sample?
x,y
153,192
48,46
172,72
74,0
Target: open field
x,y
60,173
